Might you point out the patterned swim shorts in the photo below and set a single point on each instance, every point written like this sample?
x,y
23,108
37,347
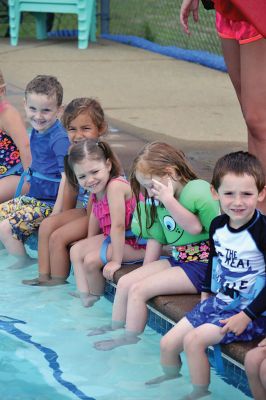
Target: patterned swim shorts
x,y
25,214
211,311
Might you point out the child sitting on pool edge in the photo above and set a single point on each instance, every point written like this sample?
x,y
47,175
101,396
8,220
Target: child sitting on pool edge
x,y
237,265
98,170
49,144
83,118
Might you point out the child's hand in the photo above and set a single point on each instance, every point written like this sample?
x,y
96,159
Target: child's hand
x,y
262,343
162,192
236,324
109,269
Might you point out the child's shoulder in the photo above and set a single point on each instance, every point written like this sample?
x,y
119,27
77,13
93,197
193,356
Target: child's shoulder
x,y
197,184
58,131
118,185
197,191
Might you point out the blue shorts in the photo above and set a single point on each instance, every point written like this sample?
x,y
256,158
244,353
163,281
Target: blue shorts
x,y
195,270
211,311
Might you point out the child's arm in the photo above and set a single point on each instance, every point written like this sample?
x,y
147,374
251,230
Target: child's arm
x,y
59,198
116,193
69,196
153,251
238,323
185,218
14,126
206,286
93,228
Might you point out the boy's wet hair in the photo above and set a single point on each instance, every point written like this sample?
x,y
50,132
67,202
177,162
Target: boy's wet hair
x,y
94,150
238,163
156,159
47,85
85,105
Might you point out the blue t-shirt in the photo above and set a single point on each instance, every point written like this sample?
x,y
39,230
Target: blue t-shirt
x,y
48,150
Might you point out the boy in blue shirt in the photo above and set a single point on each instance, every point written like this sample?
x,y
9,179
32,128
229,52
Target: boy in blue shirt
x,y
49,144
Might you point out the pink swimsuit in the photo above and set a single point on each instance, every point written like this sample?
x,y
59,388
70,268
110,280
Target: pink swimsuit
x,y
100,209
9,154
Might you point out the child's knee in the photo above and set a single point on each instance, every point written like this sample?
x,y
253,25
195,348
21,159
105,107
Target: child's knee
x,y
251,364
136,292
45,228
56,239
75,253
123,284
90,262
192,341
167,345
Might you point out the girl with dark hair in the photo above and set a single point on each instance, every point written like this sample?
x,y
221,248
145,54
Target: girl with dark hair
x,y
109,240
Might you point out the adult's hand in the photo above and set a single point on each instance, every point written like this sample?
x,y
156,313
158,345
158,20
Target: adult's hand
x,y
188,7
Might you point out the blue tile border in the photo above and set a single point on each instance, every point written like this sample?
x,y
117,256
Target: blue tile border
x,y
234,373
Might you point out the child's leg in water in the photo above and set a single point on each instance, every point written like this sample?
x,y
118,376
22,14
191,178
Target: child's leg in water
x,y
14,247
122,290
85,256
195,344
157,278
56,234
171,346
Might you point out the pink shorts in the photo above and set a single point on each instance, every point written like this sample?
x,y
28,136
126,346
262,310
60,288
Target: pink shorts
x,y
241,31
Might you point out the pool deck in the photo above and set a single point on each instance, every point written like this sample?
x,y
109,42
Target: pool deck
x,y
146,96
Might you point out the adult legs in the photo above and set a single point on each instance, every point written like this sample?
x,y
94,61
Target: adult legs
x,y
253,98
255,365
246,66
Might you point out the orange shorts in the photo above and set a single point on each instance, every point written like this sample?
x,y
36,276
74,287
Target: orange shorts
x,y
242,31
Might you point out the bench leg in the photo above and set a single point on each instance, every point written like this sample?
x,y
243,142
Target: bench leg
x,y
40,20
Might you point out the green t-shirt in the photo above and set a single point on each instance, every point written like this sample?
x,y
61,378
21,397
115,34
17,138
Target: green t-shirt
x,y
195,197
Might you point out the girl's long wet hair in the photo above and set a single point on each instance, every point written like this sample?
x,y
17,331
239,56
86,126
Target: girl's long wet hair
x,y
157,159
94,150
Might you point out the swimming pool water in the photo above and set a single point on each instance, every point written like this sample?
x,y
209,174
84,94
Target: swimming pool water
x,y
45,353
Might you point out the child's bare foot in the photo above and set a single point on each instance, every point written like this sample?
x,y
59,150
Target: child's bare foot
x,y
195,396
110,344
170,372
198,392
36,281
160,379
107,328
22,262
74,294
100,331
53,282
88,299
